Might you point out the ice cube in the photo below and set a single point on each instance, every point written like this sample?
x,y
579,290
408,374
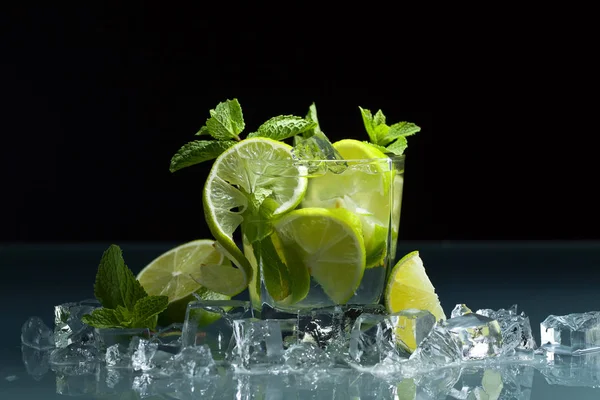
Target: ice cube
x,y
36,361
117,356
568,333
439,349
75,359
460,310
261,342
192,362
480,336
312,152
331,327
106,337
142,353
376,337
515,328
306,355
35,333
68,327
211,323
169,338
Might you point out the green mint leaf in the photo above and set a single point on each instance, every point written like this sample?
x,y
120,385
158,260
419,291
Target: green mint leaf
x,y
312,116
398,146
198,151
102,318
115,284
378,147
275,272
378,118
226,120
368,122
400,129
283,127
146,309
203,131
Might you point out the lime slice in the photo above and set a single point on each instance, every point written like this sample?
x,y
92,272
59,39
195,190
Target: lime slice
x,y
327,242
170,274
409,287
230,187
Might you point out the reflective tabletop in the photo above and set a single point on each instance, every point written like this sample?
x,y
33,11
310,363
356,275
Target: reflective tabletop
x,y
542,278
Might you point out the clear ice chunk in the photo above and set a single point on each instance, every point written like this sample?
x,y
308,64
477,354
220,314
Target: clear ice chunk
x,y
75,359
318,154
376,337
460,310
169,338
331,327
107,337
515,327
36,361
191,362
261,342
117,356
439,349
480,336
142,353
305,355
35,333
68,327
211,323
572,332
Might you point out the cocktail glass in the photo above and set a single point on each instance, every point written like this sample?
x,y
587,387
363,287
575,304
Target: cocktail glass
x,y
336,246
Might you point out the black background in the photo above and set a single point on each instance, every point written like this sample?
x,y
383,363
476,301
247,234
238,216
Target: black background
x,y
96,99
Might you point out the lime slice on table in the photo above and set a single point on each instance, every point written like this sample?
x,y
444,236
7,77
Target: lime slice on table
x,y
327,242
364,191
170,274
409,287
231,189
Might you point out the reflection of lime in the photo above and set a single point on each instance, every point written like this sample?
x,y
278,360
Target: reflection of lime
x,y
230,184
409,287
406,390
329,243
170,274
362,189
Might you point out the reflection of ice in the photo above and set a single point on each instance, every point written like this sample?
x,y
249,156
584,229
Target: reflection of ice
x,y
500,382
36,361
35,333
74,359
569,370
571,332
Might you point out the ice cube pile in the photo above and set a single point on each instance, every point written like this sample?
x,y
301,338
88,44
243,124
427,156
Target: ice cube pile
x,y
347,350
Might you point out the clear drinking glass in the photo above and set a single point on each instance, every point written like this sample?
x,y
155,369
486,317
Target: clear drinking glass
x,y
336,245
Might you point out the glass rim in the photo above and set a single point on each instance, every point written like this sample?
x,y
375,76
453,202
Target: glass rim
x,y
292,161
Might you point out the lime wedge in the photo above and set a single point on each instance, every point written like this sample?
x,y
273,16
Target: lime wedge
x,y
327,242
409,287
230,190
170,274
364,191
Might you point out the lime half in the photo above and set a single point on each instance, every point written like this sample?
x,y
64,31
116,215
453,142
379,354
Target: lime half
x,y
171,274
409,287
327,242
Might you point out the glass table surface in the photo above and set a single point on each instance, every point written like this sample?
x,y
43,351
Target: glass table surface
x,y
542,278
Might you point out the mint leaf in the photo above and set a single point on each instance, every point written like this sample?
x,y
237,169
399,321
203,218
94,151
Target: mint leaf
x,y
283,127
226,120
203,131
400,129
146,309
102,318
398,146
275,273
378,147
198,151
312,116
379,118
368,122
115,284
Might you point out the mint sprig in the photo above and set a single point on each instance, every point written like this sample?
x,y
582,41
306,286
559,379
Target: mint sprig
x,y
391,137
226,121
198,151
125,303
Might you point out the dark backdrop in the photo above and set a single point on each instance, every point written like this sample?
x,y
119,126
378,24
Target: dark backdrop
x,y
96,99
